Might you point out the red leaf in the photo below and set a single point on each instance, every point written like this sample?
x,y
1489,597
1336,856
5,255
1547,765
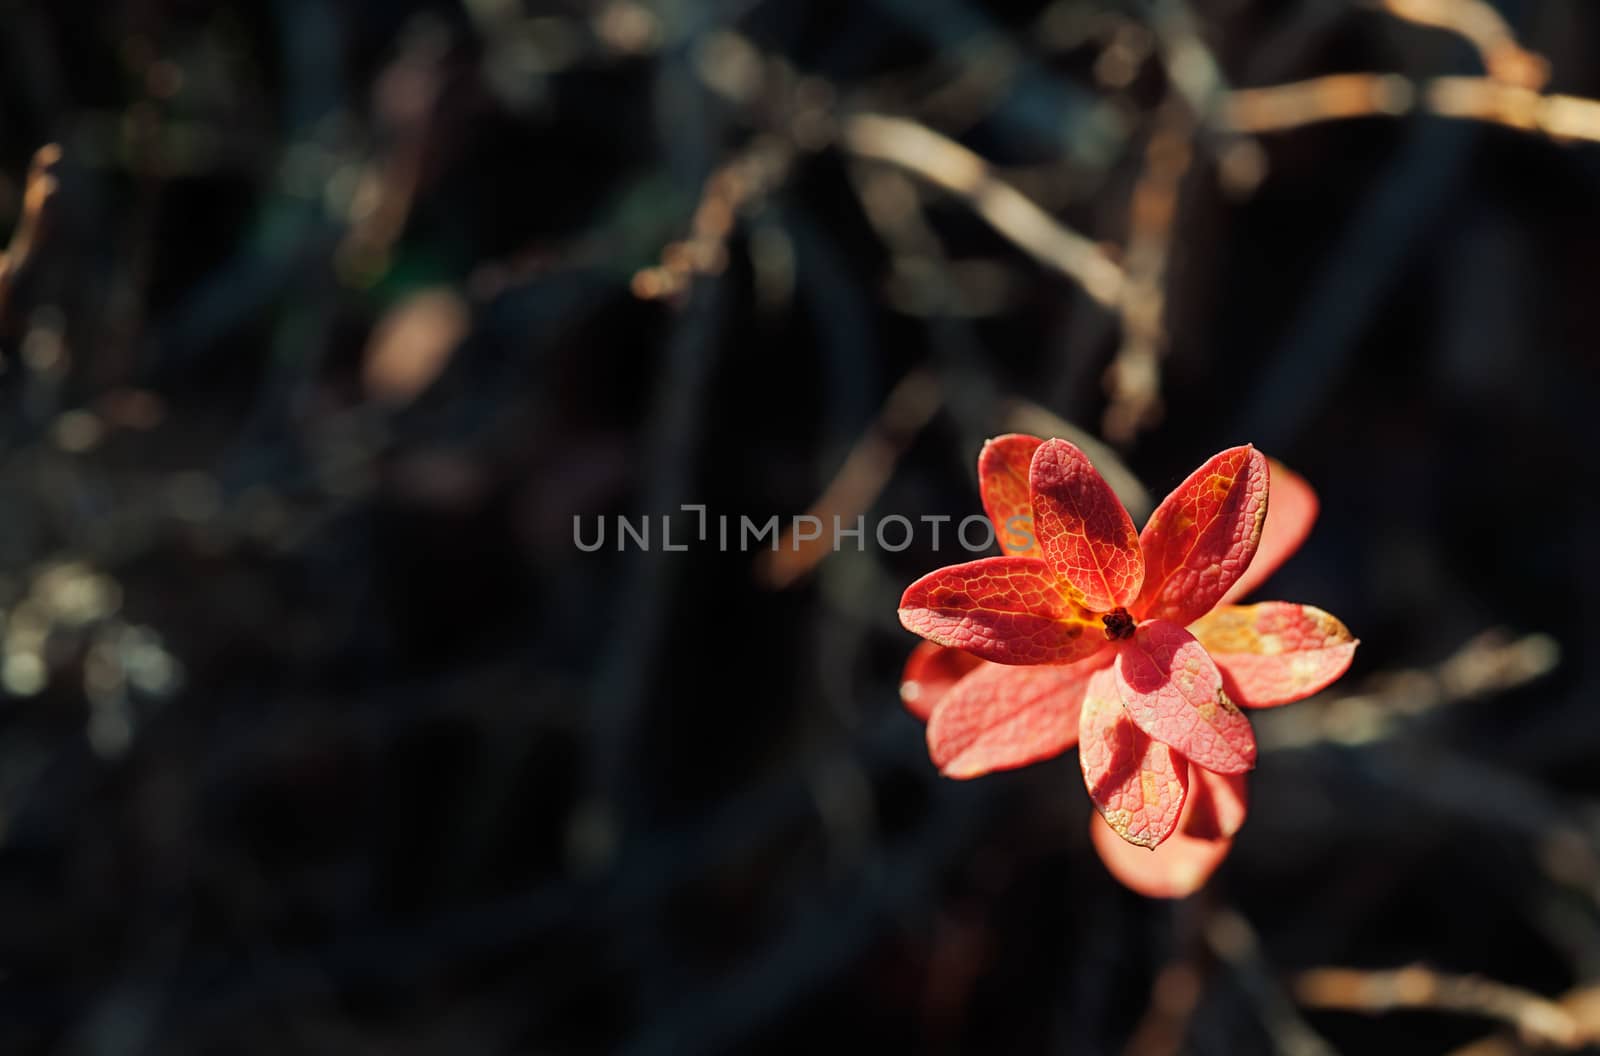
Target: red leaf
x,y
1203,536
1176,869
1000,718
1003,483
1275,652
1217,804
1173,691
1137,784
1010,610
1291,511
1083,531
930,671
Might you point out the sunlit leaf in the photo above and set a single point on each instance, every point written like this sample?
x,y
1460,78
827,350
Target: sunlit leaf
x,y
1275,652
1000,718
1003,483
930,671
1137,784
1083,532
1203,536
1173,692
1026,416
1291,511
1010,610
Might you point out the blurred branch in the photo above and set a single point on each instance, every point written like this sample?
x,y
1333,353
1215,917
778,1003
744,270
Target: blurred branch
x,y
1482,99
1197,79
953,168
406,112
1234,942
1373,992
1191,67
1039,105
750,175
1332,98
1488,663
816,941
39,191
1581,1003
910,406
1482,27
1133,379
1343,96
1174,998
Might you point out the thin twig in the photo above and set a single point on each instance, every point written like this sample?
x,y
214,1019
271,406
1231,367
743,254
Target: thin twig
x,y
1344,96
1197,79
1581,1003
406,107
1234,942
1335,97
953,168
1482,26
1133,380
1373,992
910,406
37,195
748,176
1488,663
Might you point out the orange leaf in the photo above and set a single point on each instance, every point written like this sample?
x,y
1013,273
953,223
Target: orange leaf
x,y
1203,536
1010,610
1083,532
1291,511
1275,652
1173,692
1003,483
1137,784
930,671
1000,718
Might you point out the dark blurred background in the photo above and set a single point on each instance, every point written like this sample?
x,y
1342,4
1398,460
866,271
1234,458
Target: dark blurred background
x,y
319,734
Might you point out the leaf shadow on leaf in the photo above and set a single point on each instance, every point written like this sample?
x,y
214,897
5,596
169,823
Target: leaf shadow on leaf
x,y
1124,761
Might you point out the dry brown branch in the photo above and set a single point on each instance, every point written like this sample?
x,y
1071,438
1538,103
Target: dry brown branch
x,y
953,168
1133,380
1344,96
1173,1000
1477,98
405,102
1487,663
987,71
1192,68
37,194
1332,98
1123,42
1537,1019
748,176
1482,26
1581,1003
911,404
923,280
1197,79
1233,941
